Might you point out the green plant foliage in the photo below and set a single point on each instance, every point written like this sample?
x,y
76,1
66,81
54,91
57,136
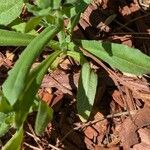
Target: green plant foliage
x,y
43,3
38,11
15,83
74,12
18,96
11,38
4,126
20,27
9,10
75,55
44,116
15,142
33,83
119,56
32,23
4,105
86,91
19,92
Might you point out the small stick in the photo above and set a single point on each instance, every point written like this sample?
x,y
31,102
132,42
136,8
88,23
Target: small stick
x,y
82,126
34,136
135,19
54,147
33,147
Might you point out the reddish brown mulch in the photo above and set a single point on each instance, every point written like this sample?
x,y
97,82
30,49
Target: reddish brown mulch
x,y
121,114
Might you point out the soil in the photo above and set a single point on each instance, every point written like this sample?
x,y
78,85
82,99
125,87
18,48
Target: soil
x,y
120,119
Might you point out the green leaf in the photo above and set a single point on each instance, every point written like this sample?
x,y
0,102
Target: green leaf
x,y
71,2
44,116
73,22
33,83
9,10
43,3
20,27
15,83
6,121
4,127
4,105
53,4
76,56
11,38
71,11
15,142
38,11
129,60
32,23
86,91
74,12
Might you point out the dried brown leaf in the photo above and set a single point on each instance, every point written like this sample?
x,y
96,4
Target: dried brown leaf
x,y
128,133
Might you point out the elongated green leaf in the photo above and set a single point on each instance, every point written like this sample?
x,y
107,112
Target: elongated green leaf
x,y
119,56
9,10
15,142
11,38
44,116
86,91
33,83
15,83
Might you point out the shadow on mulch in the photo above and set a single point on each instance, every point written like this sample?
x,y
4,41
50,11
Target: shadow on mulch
x,y
100,14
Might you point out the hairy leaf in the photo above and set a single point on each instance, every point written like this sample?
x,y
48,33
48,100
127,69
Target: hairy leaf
x,y
44,116
11,38
9,10
86,91
15,83
119,56
33,83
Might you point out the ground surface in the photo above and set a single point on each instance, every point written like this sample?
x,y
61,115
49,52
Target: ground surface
x,y
121,115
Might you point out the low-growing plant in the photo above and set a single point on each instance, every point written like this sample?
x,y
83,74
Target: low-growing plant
x,y
19,91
